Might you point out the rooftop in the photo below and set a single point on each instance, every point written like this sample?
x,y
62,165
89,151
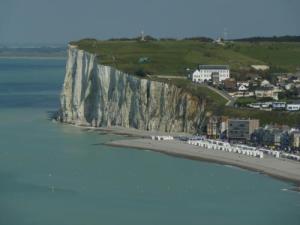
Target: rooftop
x,y
213,67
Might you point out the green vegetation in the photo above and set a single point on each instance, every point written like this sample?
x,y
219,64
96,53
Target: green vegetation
x,y
172,57
265,117
214,100
282,57
245,101
286,38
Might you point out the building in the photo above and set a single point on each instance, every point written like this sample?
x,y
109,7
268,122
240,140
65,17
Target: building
x,y
230,84
266,92
296,140
217,126
273,137
241,129
213,127
215,77
242,87
278,105
204,73
219,41
266,83
293,107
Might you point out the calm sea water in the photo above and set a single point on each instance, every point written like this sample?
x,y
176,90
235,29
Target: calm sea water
x,y
54,174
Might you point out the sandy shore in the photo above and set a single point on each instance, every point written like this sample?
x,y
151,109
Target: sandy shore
x,y
130,131
280,168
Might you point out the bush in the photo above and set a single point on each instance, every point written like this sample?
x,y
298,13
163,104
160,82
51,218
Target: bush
x,y
140,72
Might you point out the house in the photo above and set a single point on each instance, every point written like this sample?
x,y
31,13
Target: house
x,y
288,78
260,67
266,92
254,105
241,129
219,41
293,107
242,87
272,136
277,137
216,126
230,84
297,89
253,77
296,140
240,94
278,105
289,86
213,127
266,83
204,73
282,78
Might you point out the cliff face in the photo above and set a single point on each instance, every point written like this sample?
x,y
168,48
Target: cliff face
x,y
101,96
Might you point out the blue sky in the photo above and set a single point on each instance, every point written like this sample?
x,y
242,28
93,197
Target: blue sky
x,y
59,21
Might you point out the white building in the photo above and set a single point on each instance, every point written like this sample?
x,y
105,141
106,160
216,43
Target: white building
x,y
242,87
204,73
293,107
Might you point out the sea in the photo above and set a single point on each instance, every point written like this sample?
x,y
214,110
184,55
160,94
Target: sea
x,y
58,174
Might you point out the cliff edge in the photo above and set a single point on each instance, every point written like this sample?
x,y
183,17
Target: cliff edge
x,y
102,96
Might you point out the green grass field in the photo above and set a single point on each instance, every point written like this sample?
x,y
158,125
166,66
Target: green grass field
x,y
173,57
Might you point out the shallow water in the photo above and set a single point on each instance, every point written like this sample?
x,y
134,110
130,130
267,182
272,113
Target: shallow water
x,y
59,174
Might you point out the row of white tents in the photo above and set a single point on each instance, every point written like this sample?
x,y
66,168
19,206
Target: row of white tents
x,y
237,148
162,138
290,156
276,154
224,146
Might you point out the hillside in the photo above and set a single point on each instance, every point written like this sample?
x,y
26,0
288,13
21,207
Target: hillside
x,y
172,57
286,38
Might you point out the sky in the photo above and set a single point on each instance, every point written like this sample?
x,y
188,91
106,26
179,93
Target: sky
x,y
60,21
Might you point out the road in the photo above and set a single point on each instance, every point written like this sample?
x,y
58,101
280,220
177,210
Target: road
x,y
230,99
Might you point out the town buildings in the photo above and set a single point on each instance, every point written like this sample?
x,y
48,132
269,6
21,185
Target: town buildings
x,y
217,127
241,129
293,107
230,84
266,92
280,137
277,137
296,140
206,73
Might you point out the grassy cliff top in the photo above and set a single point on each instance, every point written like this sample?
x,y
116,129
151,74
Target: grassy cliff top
x,y
172,57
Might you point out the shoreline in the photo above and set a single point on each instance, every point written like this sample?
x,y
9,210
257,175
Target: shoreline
x,y
282,169
276,168
130,132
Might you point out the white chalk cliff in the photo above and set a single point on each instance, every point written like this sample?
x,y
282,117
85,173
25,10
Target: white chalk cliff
x,y
102,96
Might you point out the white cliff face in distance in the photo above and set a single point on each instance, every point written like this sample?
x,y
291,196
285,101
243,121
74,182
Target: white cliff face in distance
x,y
102,96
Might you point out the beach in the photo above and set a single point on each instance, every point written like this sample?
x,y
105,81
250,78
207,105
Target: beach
x,y
280,168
